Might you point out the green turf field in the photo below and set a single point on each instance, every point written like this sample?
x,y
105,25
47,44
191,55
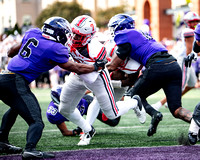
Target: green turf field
x,y
129,132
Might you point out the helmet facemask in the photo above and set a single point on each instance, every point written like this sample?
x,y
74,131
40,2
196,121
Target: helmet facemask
x,y
80,40
192,26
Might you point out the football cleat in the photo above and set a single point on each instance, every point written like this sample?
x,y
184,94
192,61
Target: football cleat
x,y
139,110
9,149
192,138
154,123
35,154
86,137
198,136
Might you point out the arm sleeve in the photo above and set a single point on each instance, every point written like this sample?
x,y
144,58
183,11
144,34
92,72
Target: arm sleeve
x,y
196,47
123,50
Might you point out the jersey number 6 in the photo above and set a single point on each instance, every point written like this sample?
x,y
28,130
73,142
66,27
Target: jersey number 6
x,y
26,50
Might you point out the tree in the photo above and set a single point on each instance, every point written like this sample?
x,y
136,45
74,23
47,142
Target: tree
x,y
103,16
63,9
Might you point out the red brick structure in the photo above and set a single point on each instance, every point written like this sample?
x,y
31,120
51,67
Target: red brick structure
x,y
196,6
154,10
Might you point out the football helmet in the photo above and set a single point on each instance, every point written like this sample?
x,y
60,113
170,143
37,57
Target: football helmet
x,y
83,29
191,17
55,94
120,22
57,29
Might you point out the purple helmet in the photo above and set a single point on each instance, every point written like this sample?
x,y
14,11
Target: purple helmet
x,y
55,94
121,22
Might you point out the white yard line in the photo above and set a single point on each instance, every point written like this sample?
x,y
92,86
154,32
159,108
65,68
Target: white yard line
x,y
106,128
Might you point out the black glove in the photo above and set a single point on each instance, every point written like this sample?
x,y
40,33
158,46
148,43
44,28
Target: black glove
x,y
100,63
129,92
188,59
77,131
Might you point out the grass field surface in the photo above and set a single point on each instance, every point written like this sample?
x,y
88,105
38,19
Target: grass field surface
x,y
128,133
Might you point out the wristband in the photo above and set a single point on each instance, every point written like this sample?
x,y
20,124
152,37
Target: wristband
x,y
117,83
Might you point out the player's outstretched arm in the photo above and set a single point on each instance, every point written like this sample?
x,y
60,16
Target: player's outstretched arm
x,y
64,130
14,50
115,62
78,68
81,68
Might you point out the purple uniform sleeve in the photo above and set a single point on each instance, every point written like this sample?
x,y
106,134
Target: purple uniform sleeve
x,y
142,45
197,32
36,54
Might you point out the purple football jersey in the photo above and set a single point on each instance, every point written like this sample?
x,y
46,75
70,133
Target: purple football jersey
x,y
143,45
55,117
53,114
36,54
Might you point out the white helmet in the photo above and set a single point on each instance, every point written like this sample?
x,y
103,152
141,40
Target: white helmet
x,y
83,28
189,17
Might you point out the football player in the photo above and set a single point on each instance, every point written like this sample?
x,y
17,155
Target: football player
x,y
194,133
55,117
39,51
189,79
161,69
122,78
86,49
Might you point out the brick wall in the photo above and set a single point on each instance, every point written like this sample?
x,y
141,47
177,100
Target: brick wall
x,y
160,23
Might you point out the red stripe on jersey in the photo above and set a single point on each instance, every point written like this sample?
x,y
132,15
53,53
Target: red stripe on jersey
x,y
82,19
106,42
112,51
127,69
109,59
110,92
102,53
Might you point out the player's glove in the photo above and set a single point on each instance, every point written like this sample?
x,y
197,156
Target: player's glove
x,y
100,64
189,58
129,92
77,131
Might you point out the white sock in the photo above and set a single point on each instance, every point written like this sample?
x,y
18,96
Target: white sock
x,y
125,106
93,111
77,119
193,127
157,105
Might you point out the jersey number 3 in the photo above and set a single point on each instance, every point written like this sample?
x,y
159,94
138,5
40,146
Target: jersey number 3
x,y
26,50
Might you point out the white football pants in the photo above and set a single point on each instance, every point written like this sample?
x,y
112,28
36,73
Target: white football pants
x,y
74,89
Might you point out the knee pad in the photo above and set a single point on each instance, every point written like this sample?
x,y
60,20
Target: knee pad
x,y
111,122
114,122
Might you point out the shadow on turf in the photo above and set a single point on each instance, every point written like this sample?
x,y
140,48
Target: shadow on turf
x,y
183,140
